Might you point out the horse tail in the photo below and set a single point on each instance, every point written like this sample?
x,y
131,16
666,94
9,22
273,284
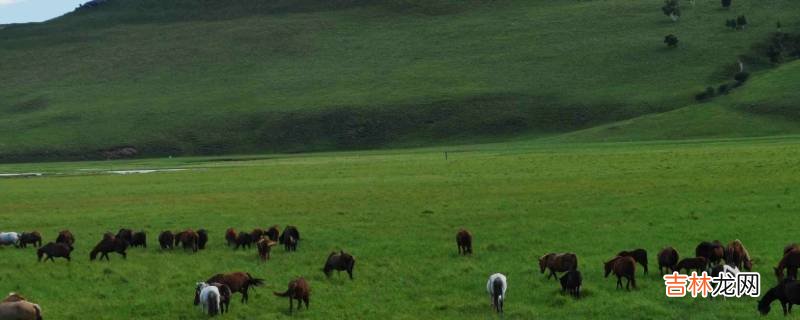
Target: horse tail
x,y
255,282
497,292
38,311
285,294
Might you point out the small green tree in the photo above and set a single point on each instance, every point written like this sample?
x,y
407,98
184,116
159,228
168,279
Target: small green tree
x,y
741,77
741,22
672,9
726,3
671,40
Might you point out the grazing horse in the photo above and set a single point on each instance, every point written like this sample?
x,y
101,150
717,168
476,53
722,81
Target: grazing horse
x,y
790,261
571,283
667,259
54,250
298,290
202,239
639,255
237,282
787,292
558,262
264,246
165,239
623,267
9,238
496,287
257,233
139,239
188,239
273,233
225,296
697,263
230,236
714,252
125,234
289,238
244,240
208,297
66,237
109,244
34,238
736,254
20,310
340,262
464,241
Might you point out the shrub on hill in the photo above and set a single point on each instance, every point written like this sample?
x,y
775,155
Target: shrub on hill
x,y
671,40
726,3
672,9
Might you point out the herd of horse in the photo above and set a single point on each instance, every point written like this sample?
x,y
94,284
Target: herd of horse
x,y
710,256
212,295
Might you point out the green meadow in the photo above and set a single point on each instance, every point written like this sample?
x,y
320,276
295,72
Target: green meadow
x,y
398,212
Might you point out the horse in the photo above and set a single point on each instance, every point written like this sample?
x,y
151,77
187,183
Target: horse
x,y
736,254
109,243
557,262
571,283
667,259
244,240
230,236
225,296
464,241
237,282
9,238
496,287
790,261
298,290
257,233
714,252
790,247
339,262
65,237
639,255
13,297
273,233
125,234
33,237
165,239
264,246
139,239
20,310
54,250
188,239
623,267
787,292
289,238
202,239
208,297
697,263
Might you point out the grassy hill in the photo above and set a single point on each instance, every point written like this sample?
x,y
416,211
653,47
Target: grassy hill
x,y
202,77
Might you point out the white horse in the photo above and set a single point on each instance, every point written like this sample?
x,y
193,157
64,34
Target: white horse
x,y
208,297
496,287
9,238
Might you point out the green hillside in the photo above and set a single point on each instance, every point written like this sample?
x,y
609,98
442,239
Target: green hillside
x,y
211,77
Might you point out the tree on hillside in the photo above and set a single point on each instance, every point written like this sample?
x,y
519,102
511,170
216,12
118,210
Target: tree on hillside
x,y
726,3
741,22
671,40
672,9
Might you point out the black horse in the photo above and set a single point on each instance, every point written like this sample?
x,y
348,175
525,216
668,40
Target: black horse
x,y
787,292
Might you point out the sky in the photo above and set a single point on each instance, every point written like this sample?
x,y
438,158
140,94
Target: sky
x,y
19,11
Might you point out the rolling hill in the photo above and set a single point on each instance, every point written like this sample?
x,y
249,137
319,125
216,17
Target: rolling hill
x,y
195,77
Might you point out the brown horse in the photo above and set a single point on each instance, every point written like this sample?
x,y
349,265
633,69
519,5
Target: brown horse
x,y
273,233
188,239
667,259
13,297
714,252
341,261
289,238
790,261
230,236
20,310
165,239
736,254
202,239
108,244
697,263
264,246
238,282
787,292
298,290
257,233
34,238
639,255
139,239
244,240
464,242
65,237
125,234
54,250
557,262
623,267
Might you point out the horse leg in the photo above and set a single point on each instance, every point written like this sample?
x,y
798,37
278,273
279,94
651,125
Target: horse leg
x,y
619,282
291,304
306,301
783,305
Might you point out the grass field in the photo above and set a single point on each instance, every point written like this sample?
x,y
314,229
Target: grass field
x,y
199,77
398,212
